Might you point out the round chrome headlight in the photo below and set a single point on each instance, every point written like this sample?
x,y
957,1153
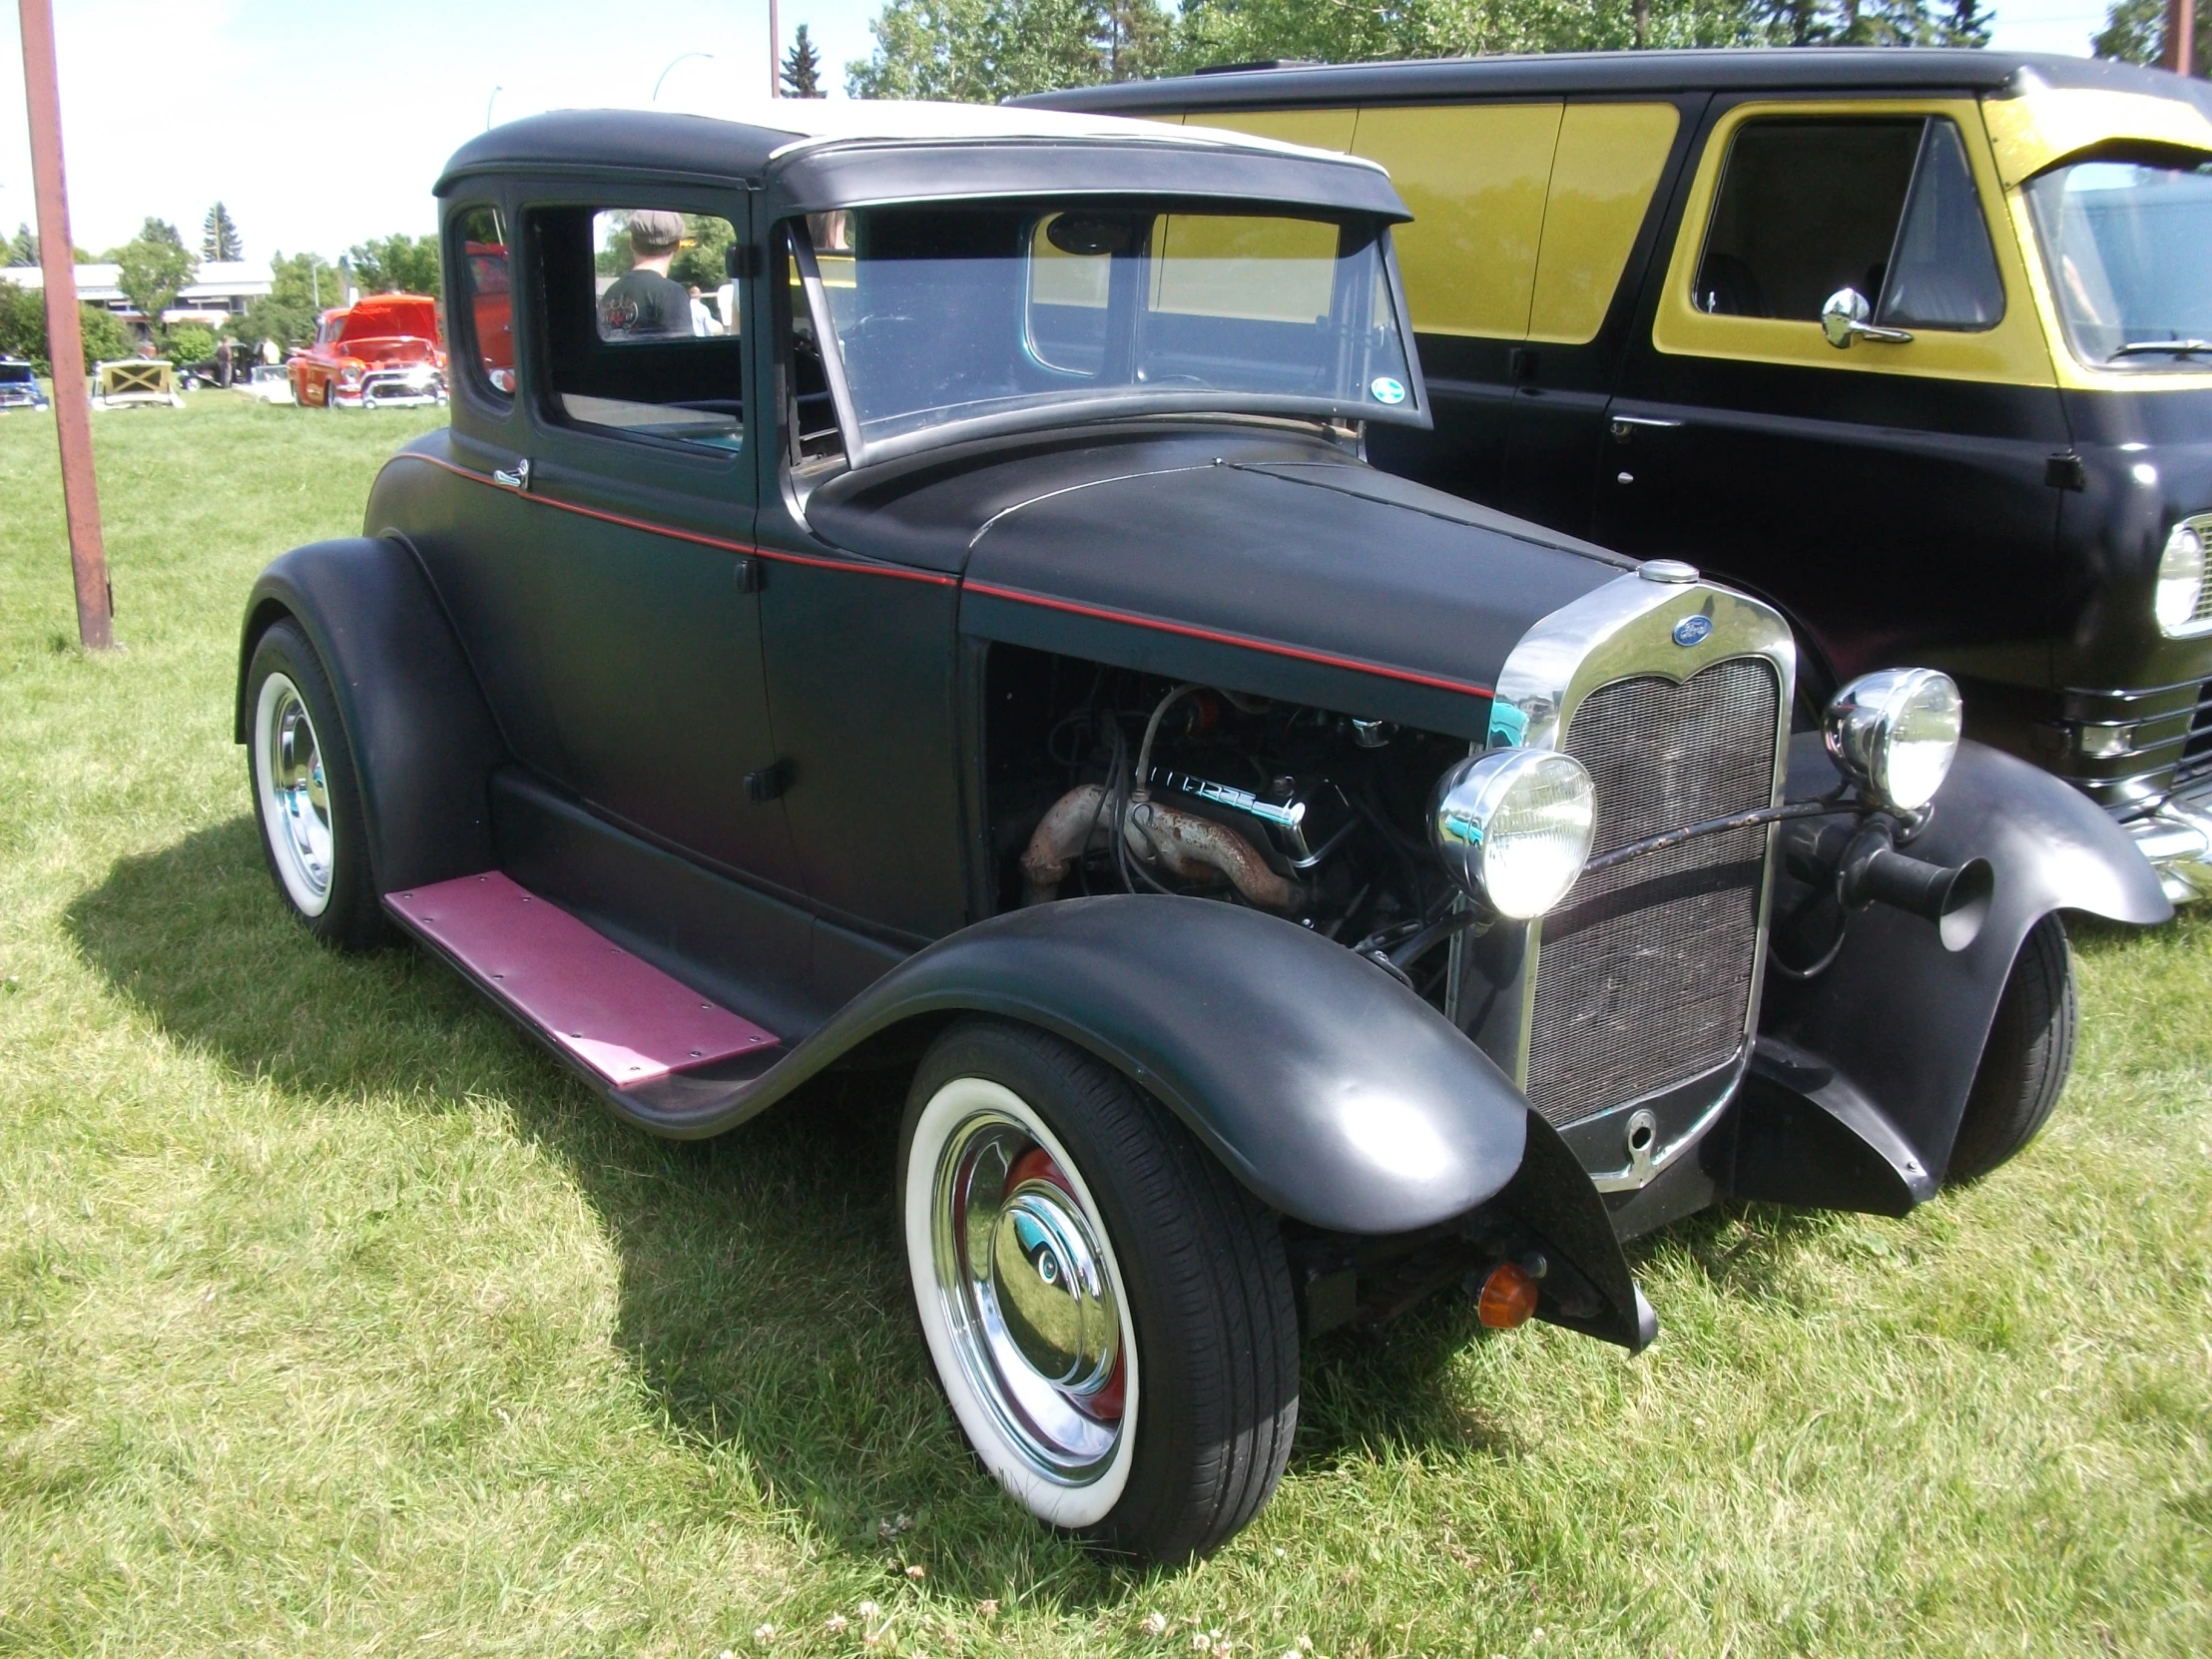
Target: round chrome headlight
x,y
2180,580
1513,828
1895,734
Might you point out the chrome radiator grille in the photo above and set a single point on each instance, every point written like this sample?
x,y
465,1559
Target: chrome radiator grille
x,y
1644,977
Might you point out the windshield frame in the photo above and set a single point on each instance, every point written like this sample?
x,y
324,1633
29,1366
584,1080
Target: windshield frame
x,y
1087,405
2123,364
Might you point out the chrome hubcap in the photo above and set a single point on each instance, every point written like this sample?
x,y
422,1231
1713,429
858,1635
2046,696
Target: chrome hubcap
x,y
1030,1297
300,829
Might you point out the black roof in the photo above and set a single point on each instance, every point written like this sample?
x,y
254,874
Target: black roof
x,y
1776,69
940,153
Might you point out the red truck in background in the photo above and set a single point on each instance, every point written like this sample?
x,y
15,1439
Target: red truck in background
x,y
383,350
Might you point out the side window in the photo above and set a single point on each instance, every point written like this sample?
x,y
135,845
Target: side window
x,y
812,419
1886,206
489,305
642,315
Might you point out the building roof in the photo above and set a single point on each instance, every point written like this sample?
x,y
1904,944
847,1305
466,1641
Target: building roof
x,y
100,284
816,155
1777,69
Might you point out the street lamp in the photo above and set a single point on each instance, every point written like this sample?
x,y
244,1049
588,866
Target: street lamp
x,y
672,63
488,103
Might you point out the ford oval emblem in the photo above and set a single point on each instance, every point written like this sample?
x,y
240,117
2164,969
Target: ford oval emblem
x,y
1386,390
1692,630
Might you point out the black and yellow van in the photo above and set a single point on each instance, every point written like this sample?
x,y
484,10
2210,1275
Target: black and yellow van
x,y
1916,345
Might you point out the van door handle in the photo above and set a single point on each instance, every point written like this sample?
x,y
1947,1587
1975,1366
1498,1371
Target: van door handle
x,y
1624,427
519,479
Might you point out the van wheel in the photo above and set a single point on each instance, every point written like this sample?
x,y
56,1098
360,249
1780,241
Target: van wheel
x,y
2030,1052
1110,1315
306,796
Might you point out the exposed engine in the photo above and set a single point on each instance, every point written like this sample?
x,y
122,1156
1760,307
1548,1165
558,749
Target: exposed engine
x,y
1109,780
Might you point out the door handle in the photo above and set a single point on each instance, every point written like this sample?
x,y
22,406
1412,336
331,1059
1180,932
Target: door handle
x,y
518,479
1624,427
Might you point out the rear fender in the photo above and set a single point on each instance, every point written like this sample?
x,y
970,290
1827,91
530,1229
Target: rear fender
x,y
1897,1026
423,740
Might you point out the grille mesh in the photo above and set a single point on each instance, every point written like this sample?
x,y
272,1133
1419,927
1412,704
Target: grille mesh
x,y
2196,754
1644,979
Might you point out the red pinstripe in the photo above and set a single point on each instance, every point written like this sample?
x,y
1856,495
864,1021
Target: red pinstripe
x,y
991,589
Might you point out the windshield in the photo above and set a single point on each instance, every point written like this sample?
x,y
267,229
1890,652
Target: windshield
x,y
1010,314
14,372
2128,245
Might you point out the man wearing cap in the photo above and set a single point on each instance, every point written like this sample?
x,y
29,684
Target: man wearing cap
x,y
646,303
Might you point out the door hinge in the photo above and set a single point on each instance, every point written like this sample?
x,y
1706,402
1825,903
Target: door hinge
x,y
769,784
1522,361
746,571
2066,472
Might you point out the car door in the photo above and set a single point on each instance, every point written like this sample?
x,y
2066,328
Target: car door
x,y
608,585
1896,494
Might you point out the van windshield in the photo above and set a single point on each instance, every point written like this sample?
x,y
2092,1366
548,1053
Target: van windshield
x,y
2128,244
998,316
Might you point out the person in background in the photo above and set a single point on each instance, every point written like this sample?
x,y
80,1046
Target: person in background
x,y
645,302
269,354
223,355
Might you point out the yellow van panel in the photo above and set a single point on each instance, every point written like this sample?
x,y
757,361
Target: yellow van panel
x,y
1474,176
1609,160
2037,128
1315,129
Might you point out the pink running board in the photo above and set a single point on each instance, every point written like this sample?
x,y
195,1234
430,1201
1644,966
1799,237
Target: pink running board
x,y
619,1014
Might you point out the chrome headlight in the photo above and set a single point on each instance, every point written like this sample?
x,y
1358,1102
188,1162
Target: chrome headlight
x,y
1513,828
2180,580
1895,735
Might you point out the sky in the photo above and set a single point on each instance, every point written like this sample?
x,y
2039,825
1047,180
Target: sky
x,y
321,123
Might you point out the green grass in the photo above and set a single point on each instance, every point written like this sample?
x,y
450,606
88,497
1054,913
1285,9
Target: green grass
x,y
334,1317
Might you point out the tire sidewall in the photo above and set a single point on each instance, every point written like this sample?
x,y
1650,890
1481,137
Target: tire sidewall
x,y
972,1089
348,917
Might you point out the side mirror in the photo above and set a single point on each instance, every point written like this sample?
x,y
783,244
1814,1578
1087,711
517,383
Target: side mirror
x,y
1843,319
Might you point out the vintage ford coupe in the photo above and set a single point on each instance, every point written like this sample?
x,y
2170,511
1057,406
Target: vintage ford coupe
x,y
981,650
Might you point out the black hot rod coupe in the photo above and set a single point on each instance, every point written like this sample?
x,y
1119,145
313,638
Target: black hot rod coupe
x,y
908,591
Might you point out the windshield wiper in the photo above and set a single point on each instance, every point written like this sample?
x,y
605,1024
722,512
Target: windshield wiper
x,y
2162,348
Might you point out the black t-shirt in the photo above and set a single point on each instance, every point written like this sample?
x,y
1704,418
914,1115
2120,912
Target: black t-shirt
x,y
645,306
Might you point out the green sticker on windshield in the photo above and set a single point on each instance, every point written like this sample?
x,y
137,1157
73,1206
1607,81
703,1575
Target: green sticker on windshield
x,y
1386,390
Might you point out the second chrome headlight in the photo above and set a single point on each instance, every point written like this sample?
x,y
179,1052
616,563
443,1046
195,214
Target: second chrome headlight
x,y
2180,596
1895,734
1513,828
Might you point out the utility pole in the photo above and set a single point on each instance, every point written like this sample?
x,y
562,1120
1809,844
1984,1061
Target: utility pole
x,y
64,335
775,54
2181,31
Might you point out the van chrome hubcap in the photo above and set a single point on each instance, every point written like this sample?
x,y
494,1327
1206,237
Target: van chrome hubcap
x,y
1030,1297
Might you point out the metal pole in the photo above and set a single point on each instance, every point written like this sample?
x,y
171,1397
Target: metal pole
x,y
65,337
2181,30
775,54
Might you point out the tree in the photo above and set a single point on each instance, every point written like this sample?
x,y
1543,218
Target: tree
x,y
2135,32
981,51
802,72
23,330
1967,23
219,235
22,249
299,288
151,267
396,264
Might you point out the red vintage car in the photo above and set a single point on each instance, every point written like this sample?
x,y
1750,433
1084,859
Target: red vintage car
x,y
385,349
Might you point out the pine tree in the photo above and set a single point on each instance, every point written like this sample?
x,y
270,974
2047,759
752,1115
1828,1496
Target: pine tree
x,y
23,250
219,235
802,73
1966,24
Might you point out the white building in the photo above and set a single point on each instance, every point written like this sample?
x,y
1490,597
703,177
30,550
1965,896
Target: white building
x,y
223,289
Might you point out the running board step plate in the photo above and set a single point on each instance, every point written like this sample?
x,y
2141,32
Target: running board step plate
x,y
617,1014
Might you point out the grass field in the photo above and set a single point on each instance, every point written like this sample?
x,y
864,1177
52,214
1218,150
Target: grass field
x,y
334,1319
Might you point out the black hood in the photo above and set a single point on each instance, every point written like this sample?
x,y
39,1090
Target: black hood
x,y
1276,564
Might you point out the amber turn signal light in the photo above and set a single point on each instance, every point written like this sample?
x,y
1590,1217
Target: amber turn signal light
x,y
1508,1296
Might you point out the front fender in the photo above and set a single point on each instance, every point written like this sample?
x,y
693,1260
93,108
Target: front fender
x,y
1899,1024
1333,1093
423,740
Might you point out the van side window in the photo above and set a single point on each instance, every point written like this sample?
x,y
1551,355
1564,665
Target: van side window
x,y
487,310
641,318
1885,206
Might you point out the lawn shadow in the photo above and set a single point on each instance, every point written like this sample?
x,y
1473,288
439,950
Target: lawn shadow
x,y
763,1290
